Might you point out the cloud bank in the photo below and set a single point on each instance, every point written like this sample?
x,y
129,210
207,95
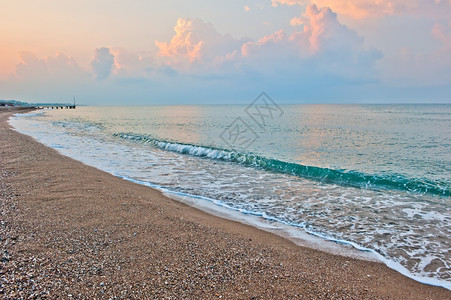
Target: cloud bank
x,y
320,46
320,49
371,8
319,58
58,66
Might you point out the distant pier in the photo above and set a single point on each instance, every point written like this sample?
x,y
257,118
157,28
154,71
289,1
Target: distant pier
x,y
15,103
57,106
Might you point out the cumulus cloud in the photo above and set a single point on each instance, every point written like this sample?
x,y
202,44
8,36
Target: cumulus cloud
x,y
196,42
30,65
102,63
322,47
54,78
60,65
131,64
370,8
321,31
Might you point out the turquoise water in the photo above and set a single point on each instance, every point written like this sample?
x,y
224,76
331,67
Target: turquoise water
x,y
377,176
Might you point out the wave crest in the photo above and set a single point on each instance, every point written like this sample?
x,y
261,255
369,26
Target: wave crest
x,y
326,175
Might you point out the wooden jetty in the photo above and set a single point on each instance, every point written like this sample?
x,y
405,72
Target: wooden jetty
x,y
15,103
57,106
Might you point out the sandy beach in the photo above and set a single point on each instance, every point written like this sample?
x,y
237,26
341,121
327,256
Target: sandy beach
x,y
71,231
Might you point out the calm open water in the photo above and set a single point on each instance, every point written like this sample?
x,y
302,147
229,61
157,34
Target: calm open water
x,y
376,176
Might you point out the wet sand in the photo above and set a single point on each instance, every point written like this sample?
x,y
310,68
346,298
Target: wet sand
x,y
70,230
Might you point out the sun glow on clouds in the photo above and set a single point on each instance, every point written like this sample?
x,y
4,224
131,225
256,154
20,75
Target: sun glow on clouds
x,y
317,50
185,44
195,43
131,64
60,65
374,8
323,49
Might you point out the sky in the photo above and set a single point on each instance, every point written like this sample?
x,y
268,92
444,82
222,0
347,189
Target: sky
x,y
138,52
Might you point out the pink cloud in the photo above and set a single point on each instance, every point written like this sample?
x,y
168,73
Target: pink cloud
x,y
185,44
318,21
196,42
128,63
272,46
322,46
376,8
321,31
30,65
59,65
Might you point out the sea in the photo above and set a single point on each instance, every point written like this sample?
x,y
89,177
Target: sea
x,y
375,178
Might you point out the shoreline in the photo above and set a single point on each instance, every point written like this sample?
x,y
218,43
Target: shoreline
x,y
299,237
71,217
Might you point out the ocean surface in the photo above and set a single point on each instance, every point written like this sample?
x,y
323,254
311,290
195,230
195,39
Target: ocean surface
x,y
376,177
